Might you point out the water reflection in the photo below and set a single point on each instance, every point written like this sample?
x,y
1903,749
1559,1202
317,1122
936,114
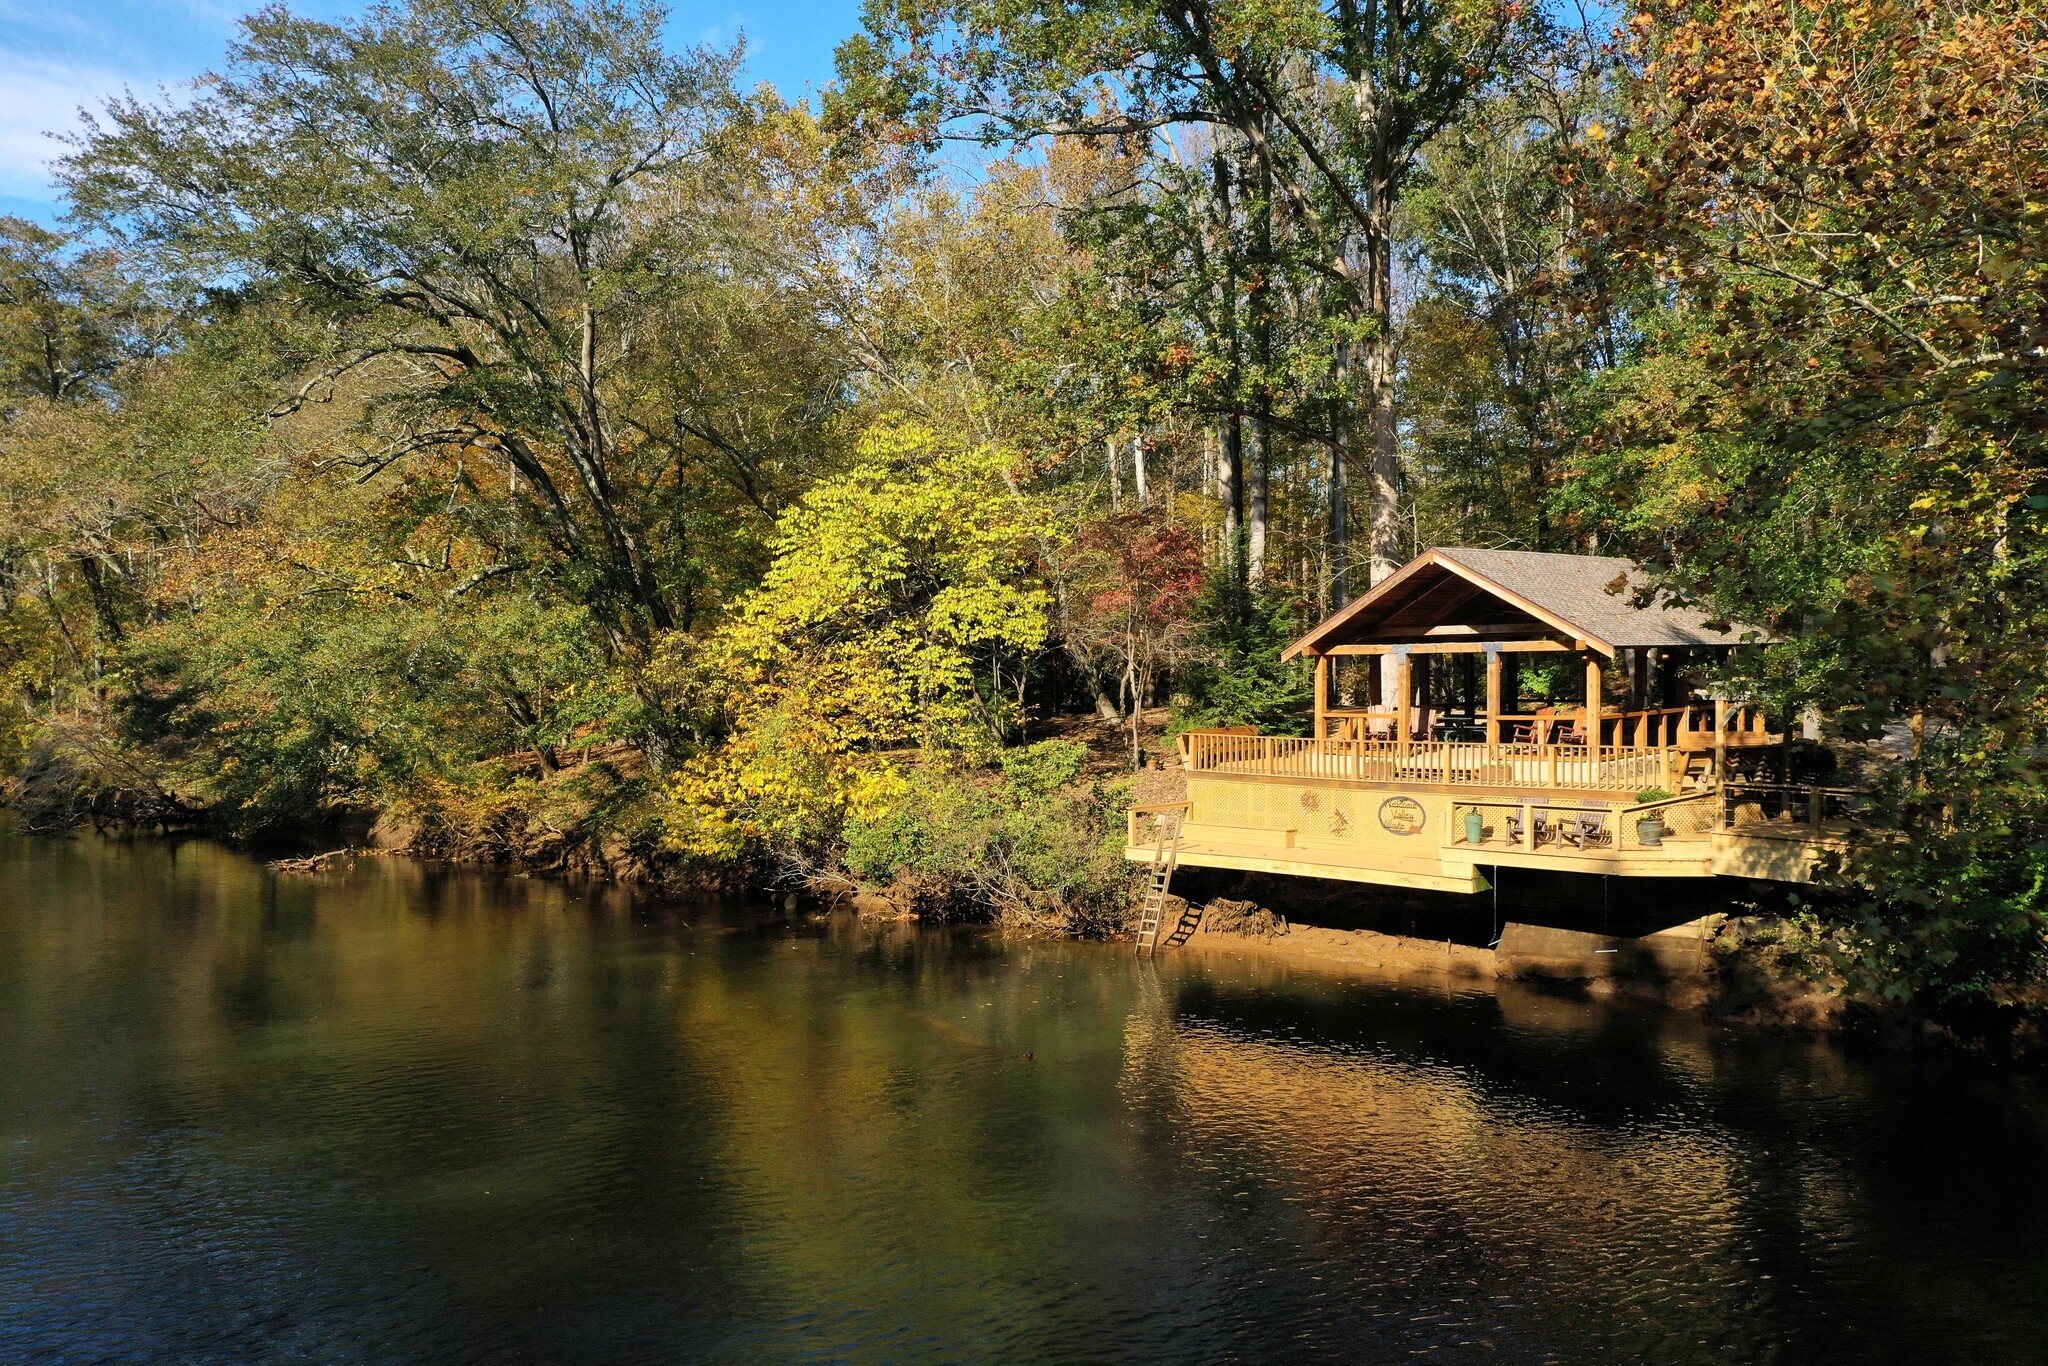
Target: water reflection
x,y
396,1114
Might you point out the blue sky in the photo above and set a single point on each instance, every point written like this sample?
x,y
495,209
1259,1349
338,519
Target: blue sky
x,y
56,55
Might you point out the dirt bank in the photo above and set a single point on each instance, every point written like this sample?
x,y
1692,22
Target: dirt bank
x,y
1701,965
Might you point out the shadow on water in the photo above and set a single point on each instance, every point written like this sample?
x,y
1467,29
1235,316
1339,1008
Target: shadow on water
x,y
404,1113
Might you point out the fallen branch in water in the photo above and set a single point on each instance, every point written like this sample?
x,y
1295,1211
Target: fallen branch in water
x,y
315,863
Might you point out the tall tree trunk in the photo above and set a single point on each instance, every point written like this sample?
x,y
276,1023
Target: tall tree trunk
x,y
1256,473
1233,425
102,600
1233,494
1260,452
1381,363
1337,496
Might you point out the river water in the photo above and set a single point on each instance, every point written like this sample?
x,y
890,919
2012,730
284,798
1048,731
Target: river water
x,y
399,1114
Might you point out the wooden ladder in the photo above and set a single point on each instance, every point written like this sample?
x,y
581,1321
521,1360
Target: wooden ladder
x,y
1165,858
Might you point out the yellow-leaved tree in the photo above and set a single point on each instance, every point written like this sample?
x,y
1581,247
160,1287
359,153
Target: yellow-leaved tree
x,y
902,608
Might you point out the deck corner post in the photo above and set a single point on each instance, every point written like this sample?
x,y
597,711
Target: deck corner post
x,y
1322,695
1721,740
1593,709
1492,697
1404,683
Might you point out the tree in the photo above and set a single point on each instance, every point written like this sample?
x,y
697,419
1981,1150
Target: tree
x,y
1135,580
1835,426
479,200
68,317
1516,308
902,611
1332,105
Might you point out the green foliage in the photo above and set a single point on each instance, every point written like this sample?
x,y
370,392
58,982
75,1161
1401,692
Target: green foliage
x,y
435,394
1547,680
68,317
1833,427
1014,847
1042,769
1239,679
482,207
901,594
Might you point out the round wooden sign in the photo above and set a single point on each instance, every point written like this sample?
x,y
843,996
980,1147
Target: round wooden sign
x,y
1402,816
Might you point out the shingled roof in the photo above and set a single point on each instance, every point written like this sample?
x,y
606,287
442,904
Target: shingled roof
x,y
1589,597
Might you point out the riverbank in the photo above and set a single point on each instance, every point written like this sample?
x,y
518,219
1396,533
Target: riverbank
x,y
1031,848
1748,972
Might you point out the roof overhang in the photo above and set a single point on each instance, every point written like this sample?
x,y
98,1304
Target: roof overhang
x,y
1316,641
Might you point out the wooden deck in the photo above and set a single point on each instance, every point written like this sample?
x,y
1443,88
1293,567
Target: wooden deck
x,y
1448,737
1297,809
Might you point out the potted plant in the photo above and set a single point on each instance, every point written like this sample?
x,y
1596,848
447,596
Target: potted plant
x,y
1475,826
1651,830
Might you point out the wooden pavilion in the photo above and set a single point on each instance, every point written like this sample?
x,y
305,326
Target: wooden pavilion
x,y
1490,708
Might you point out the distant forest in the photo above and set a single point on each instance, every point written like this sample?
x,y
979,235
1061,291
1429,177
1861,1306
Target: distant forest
x,y
487,418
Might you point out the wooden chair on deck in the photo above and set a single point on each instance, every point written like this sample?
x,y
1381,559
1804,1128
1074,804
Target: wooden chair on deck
x,y
1571,727
1588,829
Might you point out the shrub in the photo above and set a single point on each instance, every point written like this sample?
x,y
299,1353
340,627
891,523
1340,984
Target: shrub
x,y
1027,846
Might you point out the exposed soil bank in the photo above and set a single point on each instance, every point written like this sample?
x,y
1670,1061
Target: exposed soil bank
x,y
1711,966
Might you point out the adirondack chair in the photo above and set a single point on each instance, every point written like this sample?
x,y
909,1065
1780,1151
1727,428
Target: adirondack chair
x,y
1587,829
1536,730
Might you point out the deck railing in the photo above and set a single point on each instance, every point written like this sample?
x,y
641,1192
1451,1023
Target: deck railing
x,y
1742,726
1455,763
1751,803
1143,824
1533,827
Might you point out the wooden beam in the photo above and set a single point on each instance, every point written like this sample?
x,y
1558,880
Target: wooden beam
x,y
1322,695
1593,706
1721,740
1404,682
1493,697
1454,647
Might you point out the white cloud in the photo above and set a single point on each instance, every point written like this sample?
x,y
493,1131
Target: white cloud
x,y
40,96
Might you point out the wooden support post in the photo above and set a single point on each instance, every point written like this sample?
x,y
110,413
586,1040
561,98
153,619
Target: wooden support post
x,y
1593,707
1322,696
1721,740
1528,827
1492,701
1404,683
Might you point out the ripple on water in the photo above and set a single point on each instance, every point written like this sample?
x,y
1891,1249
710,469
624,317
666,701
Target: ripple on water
x,y
404,1115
